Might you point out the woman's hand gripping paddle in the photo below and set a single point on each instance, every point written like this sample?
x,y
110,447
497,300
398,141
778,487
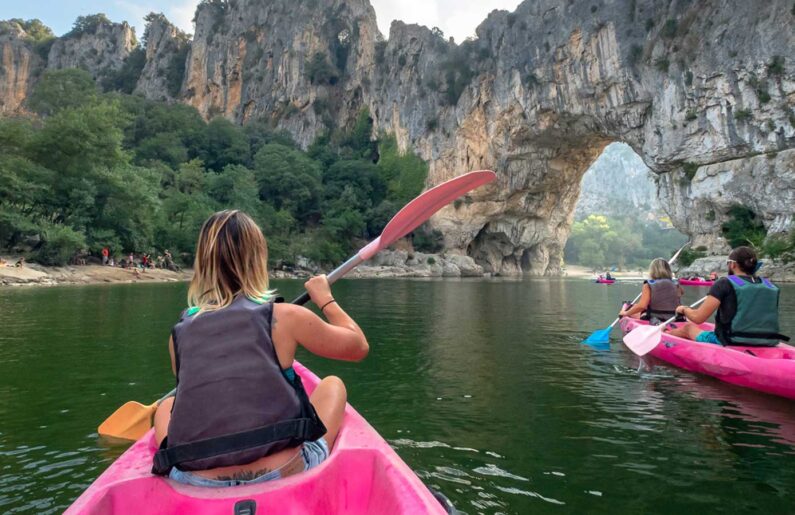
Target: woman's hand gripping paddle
x,y
409,218
133,419
643,339
601,337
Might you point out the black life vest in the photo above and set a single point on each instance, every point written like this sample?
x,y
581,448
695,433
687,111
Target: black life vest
x,y
234,404
665,298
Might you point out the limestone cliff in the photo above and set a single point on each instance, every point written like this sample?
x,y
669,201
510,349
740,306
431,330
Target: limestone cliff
x,y
618,184
703,91
98,49
166,50
20,65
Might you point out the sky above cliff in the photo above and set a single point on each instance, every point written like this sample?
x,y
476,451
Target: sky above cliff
x,y
457,18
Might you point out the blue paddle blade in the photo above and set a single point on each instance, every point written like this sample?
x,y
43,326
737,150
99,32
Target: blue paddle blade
x,y
600,337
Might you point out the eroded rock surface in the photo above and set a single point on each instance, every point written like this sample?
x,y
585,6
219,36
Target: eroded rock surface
x,y
703,91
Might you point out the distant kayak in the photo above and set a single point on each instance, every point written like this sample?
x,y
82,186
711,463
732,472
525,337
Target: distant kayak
x,y
362,475
695,282
767,369
602,280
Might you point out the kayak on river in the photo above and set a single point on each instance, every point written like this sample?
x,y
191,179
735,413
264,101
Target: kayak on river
x,y
696,282
767,369
602,280
361,475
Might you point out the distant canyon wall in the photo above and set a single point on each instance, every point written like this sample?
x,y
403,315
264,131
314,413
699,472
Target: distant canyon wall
x,y
703,91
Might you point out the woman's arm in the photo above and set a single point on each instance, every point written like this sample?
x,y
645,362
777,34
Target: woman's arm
x,y
701,313
171,353
339,338
641,305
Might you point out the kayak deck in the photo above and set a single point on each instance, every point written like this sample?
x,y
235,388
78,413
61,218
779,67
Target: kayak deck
x,y
363,474
767,369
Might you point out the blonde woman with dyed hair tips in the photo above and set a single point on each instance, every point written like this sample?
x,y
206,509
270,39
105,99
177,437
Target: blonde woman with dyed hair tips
x,y
241,414
660,295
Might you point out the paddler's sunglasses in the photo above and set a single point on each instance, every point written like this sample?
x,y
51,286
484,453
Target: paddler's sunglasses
x,y
730,261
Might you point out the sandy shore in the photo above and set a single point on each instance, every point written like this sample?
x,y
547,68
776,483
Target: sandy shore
x,y
32,274
582,272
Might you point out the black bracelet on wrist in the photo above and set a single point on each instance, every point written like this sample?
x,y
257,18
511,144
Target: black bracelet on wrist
x,y
326,304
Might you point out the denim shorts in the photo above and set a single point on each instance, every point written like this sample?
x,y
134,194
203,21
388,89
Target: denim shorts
x,y
312,453
707,337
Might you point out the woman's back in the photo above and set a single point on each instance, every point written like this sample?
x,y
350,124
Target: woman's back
x,y
229,380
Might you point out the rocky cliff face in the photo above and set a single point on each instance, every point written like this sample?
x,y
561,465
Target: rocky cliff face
x,y
101,49
166,51
618,184
20,65
697,89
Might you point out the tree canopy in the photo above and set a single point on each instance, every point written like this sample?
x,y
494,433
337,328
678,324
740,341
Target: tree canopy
x,y
89,169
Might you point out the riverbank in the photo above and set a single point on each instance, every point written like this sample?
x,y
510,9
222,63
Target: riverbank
x,y
36,275
582,272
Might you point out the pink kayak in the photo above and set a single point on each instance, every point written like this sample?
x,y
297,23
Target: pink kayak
x,y
602,280
695,282
362,475
767,369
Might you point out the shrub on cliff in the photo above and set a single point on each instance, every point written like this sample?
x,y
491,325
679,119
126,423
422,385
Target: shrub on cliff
x,y
319,71
743,228
87,25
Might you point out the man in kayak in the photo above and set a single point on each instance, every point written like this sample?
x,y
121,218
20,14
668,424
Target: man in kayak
x,y
659,297
745,307
241,414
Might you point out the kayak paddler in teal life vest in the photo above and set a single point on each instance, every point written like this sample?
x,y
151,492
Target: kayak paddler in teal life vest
x,y
745,307
659,297
241,414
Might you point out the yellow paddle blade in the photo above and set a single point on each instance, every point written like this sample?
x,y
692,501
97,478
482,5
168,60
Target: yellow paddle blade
x,y
129,422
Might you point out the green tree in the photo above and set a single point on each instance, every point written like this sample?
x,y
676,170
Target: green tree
x,y
225,144
289,180
404,174
62,89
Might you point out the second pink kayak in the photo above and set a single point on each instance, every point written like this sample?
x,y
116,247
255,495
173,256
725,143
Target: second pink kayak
x,y
767,369
695,282
362,475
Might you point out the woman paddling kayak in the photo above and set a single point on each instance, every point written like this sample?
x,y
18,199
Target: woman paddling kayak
x,y
660,295
241,414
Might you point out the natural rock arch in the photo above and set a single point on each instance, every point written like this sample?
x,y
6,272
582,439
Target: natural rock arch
x,y
703,91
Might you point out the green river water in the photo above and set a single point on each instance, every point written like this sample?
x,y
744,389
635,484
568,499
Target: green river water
x,y
482,387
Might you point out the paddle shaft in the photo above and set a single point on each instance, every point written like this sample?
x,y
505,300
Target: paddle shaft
x,y
694,305
337,273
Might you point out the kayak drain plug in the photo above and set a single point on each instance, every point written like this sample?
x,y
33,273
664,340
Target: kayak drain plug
x,y
247,507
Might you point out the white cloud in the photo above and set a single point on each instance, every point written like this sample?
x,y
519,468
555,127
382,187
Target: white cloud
x,y
457,18
180,14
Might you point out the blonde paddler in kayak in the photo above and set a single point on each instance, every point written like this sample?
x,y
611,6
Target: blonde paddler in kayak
x,y
240,414
660,295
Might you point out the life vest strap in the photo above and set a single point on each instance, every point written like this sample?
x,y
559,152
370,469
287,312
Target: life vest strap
x,y
299,430
745,334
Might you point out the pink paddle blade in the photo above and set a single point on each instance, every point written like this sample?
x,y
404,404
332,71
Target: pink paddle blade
x,y
642,340
423,207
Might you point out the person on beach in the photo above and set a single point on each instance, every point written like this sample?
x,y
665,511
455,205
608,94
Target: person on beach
x,y
659,297
20,262
241,414
105,254
745,307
